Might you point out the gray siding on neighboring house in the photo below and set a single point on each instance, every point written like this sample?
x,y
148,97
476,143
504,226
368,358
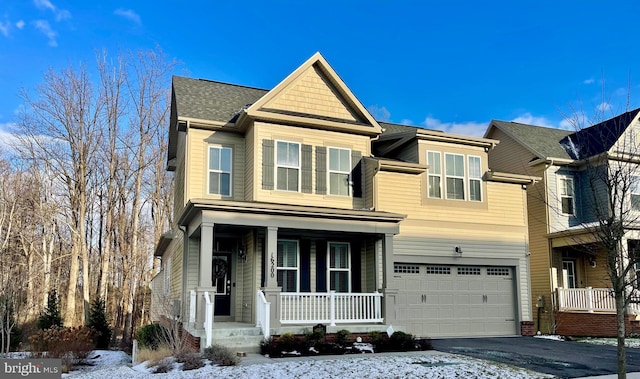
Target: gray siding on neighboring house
x,y
593,194
558,220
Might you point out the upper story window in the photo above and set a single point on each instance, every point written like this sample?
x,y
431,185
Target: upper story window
x,y
288,166
339,263
288,265
634,191
220,171
454,172
434,175
567,199
475,179
339,171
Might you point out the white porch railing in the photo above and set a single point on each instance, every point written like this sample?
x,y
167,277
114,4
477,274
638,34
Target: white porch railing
x,y
263,314
207,323
330,307
586,300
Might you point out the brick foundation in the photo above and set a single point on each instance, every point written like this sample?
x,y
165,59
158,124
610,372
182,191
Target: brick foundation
x,y
593,324
527,329
190,341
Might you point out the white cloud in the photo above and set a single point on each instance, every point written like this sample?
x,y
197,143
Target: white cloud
x,y
7,139
4,28
20,24
129,14
406,121
468,128
379,113
44,27
604,106
588,81
61,14
567,125
528,118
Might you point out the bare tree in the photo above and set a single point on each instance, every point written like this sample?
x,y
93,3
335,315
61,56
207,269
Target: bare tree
x,y
609,153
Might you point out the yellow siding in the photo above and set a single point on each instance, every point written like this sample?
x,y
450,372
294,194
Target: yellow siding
x,y
509,156
540,262
311,93
200,140
307,137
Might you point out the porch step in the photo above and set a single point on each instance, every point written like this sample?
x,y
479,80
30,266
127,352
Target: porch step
x,y
236,338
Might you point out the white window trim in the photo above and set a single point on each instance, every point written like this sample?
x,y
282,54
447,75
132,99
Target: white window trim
x,y
434,175
329,172
298,167
167,277
209,170
297,268
573,193
464,190
348,269
478,179
635,182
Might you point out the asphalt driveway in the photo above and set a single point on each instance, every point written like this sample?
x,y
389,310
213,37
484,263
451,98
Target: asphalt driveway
x,y
564,359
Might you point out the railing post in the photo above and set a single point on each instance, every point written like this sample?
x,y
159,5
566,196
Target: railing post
x,y
332,308
590,299
192,307
560,299
208,319
266,327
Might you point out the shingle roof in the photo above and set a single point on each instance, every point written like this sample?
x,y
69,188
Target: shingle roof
x,y
542,141
598,138
210,100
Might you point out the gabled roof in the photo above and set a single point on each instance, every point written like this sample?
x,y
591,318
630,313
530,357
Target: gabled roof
x,y
549,143
212,101
598,138
543,142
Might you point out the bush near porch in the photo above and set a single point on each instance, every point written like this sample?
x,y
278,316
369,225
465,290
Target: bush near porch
x,y
342,342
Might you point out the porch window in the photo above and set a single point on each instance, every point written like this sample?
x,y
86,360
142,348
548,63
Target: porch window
x,y
566,195
569,274
339,267
288,266
475,179
454,172
339,171
288,166
434,174
635,193
220,171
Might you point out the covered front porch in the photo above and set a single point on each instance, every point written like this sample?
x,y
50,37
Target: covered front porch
x,y
287,270
583,300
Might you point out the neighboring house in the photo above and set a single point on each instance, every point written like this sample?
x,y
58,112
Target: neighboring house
x,y
295,207
570,287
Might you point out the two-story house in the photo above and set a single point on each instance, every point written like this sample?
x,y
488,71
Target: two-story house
x,y
295,207
570,286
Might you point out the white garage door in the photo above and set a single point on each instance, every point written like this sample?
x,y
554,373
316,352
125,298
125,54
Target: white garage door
x,y
455,301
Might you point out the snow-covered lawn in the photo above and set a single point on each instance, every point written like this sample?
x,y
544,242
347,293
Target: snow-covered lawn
x,y
628,342
111,364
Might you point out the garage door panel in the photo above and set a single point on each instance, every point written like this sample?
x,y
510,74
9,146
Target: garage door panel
x,y
458,301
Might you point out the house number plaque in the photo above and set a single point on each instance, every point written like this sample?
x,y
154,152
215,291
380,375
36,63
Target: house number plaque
x,y
273,266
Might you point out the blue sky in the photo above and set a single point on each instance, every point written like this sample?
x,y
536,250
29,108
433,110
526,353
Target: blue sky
x,y
449,65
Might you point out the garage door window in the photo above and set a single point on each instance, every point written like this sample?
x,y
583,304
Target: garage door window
x,y
468,270
439,270
406,269
498,271
339,263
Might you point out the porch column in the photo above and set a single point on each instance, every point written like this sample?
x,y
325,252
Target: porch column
x,y
206,255
388,287
271,289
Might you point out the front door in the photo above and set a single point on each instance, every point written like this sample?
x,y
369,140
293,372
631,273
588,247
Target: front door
x,y
221,273
569,274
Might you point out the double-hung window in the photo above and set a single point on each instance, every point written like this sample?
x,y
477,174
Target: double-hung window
x,y
567,200
220,171
339,267
339,171
288,166
288,265
454,172
475,178
434,175
634,191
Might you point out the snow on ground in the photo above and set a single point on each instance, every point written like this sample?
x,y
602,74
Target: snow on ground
x,y
396,365
628,342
